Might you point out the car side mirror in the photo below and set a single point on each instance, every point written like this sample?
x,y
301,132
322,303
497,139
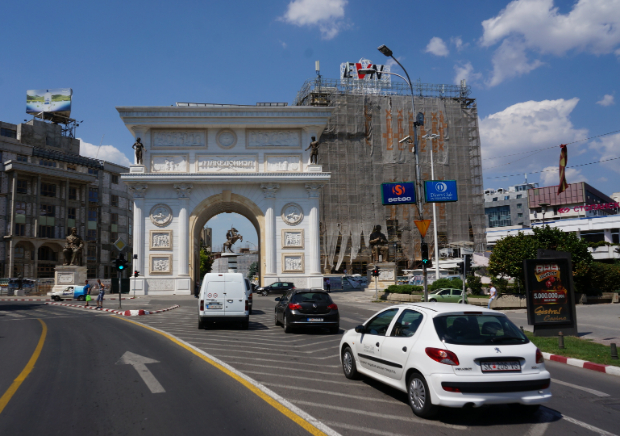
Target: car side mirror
x,y
360,329
277,299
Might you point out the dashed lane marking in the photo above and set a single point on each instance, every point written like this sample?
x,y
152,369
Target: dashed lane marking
x,y
337,394
277,361
570,385
577,422
268,354
305,371
279,344
356,428
308,379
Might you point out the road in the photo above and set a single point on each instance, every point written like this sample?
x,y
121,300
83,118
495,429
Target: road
x,y
303,368
77,387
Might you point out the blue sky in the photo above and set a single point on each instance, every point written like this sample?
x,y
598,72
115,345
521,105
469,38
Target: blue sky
x,y
543,72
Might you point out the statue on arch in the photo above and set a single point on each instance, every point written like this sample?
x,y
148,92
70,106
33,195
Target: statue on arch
x,y
139,147
232,236
378,244
73,249
314,154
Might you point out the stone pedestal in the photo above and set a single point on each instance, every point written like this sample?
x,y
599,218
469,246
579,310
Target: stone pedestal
x,y
315,168
387,276
137,169
68,275
232,261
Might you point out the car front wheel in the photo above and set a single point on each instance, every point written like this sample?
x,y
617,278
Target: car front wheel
x,y
419,397
275,318
348,364
286,325
432,300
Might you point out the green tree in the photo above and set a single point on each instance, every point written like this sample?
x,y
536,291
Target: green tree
x,y
604,277
206,262
446,283
253,270
509,253
474,283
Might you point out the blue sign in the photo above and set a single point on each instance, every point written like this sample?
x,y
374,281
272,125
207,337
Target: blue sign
x,y
440,191
398,193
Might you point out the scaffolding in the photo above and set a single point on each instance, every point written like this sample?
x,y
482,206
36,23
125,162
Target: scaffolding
x,y
360,148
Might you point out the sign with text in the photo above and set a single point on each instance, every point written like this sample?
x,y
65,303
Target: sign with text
x,y
549,296
440,191
398,193
49,100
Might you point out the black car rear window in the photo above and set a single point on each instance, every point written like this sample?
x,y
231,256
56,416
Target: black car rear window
x,y
478,330
311,296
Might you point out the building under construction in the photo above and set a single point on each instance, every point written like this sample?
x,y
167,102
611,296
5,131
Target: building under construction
x,y
362,148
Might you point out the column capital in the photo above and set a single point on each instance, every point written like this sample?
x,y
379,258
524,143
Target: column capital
x,y
270,189
183,189
314,189
138,190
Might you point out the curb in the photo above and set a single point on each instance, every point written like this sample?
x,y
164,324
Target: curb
x,y
607,369
46,299
137,312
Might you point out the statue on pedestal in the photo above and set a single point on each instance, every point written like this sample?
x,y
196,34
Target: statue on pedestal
x,y
232,236
73,249
314,154
378,244
139,147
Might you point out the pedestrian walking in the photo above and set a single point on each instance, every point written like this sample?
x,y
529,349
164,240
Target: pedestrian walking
x,y
492,293
328,285
101,294
87,292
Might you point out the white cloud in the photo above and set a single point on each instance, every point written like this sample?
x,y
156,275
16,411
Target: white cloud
x,y
551,176
510,60
458,43
609,148
108,153
592,26
526,126
327,15
608,100
466,72
437,47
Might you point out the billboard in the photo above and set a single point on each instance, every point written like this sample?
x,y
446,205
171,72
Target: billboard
x,y
549,292
398,193
57,100
440,191
349,70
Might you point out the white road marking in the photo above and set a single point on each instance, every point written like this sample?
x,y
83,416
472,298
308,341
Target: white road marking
x,y
139,363
585,425
537,429
354,321
307,379
269,354
14,315
362,429
273,343
304,370
591,391
278,361
380,415
337,394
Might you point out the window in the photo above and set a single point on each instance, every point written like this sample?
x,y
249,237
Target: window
x,y
519,215
113,237
494,198
91,235
20,207
71,167
8,133
71,213
114,200
47,254
48,190
114,218
379,324
115,179
47,163
407,324
22,158
519,196
92,253
506,197
498,216
93,195
93,172
46,231
47,210
72,193
519,205
22,186
92,214
19,252
20,229
478,330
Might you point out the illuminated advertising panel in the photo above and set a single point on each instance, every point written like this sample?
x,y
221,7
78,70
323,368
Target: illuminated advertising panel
x,y
398,193
57,100
548,292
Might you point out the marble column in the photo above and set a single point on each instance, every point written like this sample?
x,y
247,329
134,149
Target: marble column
x,y
139,191
183,192
314,234
271,262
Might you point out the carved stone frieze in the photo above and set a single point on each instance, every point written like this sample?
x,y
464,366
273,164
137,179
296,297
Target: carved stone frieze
x,y
183,189
268,138
226,164
293,263
160,240
179,138
161,215
292,214
292,238
270,189
226,138
169,163
160,284
160,263
275,163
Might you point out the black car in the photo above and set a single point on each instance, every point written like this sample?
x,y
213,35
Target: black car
x,y
277,287
300,308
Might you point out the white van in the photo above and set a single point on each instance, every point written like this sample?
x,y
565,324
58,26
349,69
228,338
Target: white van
x,y
223,297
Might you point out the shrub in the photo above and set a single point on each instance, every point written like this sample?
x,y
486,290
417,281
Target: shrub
x,y
475,284
501,284
405,289
446,283
603,278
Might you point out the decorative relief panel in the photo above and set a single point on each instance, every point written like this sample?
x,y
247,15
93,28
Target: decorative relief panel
x,y
293,263
292,214
386,275
227,164
179,138
226,138
263,138
169,164
65,278
161,215
282,163
160,240
160,263
292,238
160,284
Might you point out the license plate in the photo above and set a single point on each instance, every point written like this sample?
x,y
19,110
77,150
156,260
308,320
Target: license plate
x,y
500,366
315,319
214,306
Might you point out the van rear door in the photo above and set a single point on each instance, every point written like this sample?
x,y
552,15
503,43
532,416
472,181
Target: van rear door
x,y
235,298
215,298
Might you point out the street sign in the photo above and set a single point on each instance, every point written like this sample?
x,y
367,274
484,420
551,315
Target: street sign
x,y
398,193
120,244
440,191
422,226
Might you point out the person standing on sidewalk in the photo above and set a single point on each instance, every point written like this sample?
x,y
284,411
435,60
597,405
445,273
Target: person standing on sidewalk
x,y
101,294
328,285
492,293
87,292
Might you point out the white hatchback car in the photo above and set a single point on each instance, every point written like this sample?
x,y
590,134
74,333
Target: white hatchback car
x,y
448,354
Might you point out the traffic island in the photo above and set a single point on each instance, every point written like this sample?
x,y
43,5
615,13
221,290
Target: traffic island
x,y
131,312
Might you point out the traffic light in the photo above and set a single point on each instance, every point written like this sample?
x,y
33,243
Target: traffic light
x,y
120,262
375,272
467,263
462,268
136,273
426,261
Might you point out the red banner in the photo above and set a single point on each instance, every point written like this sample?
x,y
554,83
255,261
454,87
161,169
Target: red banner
x,y
563,160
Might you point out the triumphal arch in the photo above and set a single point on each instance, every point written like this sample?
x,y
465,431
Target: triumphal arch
x,y
196,161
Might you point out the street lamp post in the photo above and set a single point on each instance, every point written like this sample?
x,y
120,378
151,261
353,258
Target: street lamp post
x,y
432,136
387,52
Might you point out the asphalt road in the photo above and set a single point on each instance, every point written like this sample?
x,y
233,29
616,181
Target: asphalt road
x,y
77,387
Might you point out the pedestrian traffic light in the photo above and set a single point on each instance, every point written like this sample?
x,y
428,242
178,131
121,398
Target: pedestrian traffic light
x,y
120,262
426,261
467,263
375,272
136,273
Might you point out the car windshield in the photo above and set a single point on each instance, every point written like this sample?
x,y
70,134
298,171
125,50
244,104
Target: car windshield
x,y
312,297
478,330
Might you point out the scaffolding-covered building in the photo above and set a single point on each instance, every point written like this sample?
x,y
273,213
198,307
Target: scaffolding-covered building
x,y
362,148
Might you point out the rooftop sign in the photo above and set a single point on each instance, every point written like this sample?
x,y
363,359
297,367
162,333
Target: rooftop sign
x,y
349,70
57,100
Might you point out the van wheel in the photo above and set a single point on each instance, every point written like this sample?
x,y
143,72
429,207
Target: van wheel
x,y
348,364
419,397
286,325
80,298
201,324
